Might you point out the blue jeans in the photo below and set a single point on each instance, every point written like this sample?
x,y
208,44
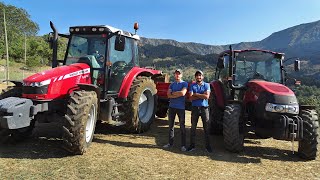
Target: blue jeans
x,y
195,113
181,115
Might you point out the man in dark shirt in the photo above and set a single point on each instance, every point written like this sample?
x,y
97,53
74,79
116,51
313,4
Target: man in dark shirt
x,y
176,93
199,93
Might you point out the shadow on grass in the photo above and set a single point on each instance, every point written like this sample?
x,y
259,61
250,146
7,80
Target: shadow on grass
x,y
159,131
46,144
34,148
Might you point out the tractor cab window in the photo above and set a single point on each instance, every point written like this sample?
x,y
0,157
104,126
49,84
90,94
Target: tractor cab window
x,y
256,65
91,46
121,61
89,49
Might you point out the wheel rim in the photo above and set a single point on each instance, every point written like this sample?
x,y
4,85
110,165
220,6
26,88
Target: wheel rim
x,y
146,106
90,123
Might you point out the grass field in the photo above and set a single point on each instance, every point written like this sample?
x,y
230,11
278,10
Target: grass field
x,y
114,155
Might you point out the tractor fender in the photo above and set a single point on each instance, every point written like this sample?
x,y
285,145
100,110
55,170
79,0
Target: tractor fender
x,y
132,74
90,87
218,90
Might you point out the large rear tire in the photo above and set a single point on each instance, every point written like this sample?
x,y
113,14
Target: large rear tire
x,y
308,145
216,116
80,121
232,128
139,110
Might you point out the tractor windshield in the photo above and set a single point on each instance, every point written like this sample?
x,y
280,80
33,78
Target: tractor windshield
x,y
92,47
256,65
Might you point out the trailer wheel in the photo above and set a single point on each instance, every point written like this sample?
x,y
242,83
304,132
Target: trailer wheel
x,y
232,128
139,110
80,121
162,110
308,145
216,116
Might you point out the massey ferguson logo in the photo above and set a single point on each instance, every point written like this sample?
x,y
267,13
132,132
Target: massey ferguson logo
x,y
73,74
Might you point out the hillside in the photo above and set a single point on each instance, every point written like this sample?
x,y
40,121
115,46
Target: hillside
x,y
302,40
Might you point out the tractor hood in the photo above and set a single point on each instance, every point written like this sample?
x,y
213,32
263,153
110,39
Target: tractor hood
x,y
271,87
56,74
56,82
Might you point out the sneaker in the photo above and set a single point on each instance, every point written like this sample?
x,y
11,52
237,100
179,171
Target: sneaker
x,y
191,148
167,145
183,149
208,149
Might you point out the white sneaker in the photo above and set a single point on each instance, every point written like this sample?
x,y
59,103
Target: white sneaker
x,y
183,149
167,145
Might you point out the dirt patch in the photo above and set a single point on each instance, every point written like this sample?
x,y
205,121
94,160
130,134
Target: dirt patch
x,y
114,155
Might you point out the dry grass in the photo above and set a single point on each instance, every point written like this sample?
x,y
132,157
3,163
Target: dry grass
x,y
113,155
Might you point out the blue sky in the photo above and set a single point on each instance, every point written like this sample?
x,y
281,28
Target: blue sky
x,y
215,22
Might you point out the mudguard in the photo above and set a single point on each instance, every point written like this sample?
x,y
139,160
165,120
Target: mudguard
x,y
129,78
220,96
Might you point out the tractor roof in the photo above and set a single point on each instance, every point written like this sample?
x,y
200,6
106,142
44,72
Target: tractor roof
x,y
101,29
247,50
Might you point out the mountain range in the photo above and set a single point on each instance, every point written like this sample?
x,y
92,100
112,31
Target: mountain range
x,y
302,41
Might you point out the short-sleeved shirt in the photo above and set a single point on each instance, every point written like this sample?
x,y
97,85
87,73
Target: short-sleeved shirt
x,y
179,102
200,89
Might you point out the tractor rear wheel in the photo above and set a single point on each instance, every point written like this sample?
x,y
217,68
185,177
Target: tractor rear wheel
x,y
232,133
308,145
80,121
216,116
139,110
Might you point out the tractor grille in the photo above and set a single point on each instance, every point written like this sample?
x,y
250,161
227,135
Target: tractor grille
x,y
35,90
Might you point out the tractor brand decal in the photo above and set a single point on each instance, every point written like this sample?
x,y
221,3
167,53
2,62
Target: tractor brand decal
x,y
73,74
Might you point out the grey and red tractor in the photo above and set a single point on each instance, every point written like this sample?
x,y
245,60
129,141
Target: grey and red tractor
x,y
249,95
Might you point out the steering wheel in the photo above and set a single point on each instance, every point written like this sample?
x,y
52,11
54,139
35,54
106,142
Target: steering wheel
x,y
119,65
257,75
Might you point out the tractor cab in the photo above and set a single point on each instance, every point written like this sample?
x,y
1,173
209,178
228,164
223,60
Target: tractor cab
x,y
244,66
110,52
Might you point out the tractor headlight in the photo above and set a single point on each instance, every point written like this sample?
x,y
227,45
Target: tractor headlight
x,y
39,84
280,108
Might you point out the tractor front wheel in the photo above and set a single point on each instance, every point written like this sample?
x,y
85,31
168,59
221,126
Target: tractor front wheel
x,y
232,128
80,121
139,110
308,145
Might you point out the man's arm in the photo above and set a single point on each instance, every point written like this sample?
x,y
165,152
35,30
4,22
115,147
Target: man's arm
x,y
205,95
176,94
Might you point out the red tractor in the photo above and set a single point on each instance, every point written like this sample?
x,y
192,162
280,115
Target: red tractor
x,y
250,95
99,79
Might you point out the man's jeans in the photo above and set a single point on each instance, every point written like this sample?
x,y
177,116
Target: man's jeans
x,y
195,113
171,117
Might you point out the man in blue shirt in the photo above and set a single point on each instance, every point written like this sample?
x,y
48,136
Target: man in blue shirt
x,y
199,93
176,93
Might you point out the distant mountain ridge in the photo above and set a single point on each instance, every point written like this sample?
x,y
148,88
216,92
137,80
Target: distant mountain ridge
x,y
302,40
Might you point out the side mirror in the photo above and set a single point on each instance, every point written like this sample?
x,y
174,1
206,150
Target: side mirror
x,y
119,44
220,63
297,65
